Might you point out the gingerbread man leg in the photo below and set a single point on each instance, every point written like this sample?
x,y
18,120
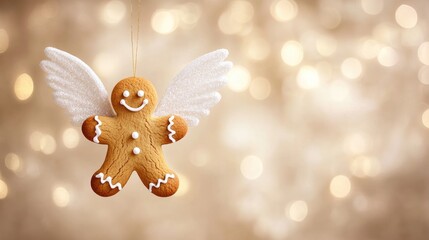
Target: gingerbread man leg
x,y
157,176
112,176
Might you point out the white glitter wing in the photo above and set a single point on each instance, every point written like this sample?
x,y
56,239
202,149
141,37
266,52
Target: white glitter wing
x,y
76,87
195,89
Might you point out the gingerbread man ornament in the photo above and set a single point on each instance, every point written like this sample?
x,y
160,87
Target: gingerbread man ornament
x,y
136,128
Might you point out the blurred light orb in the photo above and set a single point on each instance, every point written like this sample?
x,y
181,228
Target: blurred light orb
x,y
372,7
164,21
298,211
424,75
355,144
48,144
423,53
238,78
3,189
387,57
35,139
24,87
340,186
425,118
351,68
236,18
183,187
105,64
308,77
326,45
284,10
13,162
260,88
406,16
61,197
292,53
113,12
4,40
251,167
70,138
257,48
190,13
364,166
369,48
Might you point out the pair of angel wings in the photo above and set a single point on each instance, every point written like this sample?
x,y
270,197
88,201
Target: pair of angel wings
x,y
190,95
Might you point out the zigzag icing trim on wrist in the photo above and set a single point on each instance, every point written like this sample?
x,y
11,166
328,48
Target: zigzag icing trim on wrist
x,y
158,184
172,132
109,180
97,130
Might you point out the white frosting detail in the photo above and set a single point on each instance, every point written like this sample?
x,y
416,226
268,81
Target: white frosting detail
x,y
135,135
136,150
140,93
158,184
109,180
126,93
172,132
97,130
144,103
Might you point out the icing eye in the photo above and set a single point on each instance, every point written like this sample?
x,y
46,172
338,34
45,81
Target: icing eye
x,y
126,93
140,93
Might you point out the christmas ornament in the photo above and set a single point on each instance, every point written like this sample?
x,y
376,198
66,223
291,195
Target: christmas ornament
x,y
136,128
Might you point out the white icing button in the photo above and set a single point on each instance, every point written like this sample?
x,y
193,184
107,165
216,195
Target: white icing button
x,y
126,93
136,150
135,135
140,93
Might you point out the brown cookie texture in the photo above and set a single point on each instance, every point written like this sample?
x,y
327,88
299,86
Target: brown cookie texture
x,y
134,139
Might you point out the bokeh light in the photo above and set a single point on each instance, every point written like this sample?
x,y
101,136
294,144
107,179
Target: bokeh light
x,y
292,53
237,17
113,12
284,10
423,53
260,88
298,211
364,166
406,16
340,186
24,87
387,57
60,197
4,40
184,186
308,77
3,189
425,118
70,138
251,167
164,21
13,162
351,68
239,78
372,7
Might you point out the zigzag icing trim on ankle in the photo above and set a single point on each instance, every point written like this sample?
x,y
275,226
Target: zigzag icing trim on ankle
x,y
158,184
109,180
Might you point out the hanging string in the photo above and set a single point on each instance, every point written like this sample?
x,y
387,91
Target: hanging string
x,y
135,51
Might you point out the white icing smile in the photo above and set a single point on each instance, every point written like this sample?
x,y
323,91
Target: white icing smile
x,y
132,109
140,93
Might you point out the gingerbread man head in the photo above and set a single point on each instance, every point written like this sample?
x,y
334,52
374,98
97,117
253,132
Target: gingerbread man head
x,y
134,140
134,96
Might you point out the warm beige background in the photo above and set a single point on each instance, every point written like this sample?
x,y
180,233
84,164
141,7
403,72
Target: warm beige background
x,y
320,135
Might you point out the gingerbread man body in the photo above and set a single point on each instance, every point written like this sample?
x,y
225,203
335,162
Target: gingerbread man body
x,y
134,138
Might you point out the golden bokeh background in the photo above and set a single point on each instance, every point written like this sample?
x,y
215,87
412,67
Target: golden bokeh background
x,y
322,131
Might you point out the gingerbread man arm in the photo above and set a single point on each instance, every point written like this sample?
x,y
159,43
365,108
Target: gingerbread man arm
x,y
95,129
169,129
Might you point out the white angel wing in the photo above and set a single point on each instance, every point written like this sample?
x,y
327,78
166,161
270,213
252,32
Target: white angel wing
x,y
194,90
76,87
